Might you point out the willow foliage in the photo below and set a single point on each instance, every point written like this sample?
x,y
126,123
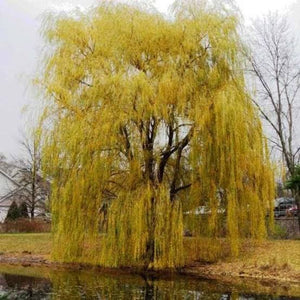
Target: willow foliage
x,y
148,123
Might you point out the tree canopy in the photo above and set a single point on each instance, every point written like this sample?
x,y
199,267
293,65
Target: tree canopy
x,y
148,120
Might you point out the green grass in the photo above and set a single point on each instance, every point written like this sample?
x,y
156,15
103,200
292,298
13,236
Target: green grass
x,y
17,243
272,253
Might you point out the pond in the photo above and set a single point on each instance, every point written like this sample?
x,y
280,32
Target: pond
x,y
34,283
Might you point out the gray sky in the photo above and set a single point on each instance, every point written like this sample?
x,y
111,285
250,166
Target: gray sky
x,y
20,45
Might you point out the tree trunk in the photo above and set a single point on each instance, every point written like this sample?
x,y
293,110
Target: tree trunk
x,y
151,241
297,200
32,212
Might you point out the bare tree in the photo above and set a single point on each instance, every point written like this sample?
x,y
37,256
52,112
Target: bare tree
x,y
276,68
30,177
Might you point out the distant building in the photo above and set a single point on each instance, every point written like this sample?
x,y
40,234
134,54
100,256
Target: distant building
x,y
14,187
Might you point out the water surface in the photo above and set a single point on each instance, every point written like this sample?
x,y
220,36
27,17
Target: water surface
x,y
29,283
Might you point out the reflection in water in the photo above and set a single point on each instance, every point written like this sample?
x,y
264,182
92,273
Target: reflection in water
x,y
23,287
94,285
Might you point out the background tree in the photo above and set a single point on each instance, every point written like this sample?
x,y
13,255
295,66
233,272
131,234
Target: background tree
x,y
36,188
23,210
148,115
276,68
13,212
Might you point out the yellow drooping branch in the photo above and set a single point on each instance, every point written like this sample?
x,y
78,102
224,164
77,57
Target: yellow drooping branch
x,y
149,131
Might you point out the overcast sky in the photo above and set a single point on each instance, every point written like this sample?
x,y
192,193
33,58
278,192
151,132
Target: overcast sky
x,y
20,45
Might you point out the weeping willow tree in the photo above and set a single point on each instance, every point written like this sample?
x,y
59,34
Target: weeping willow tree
x,y
148,121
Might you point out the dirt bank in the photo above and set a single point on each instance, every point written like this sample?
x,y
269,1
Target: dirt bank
x,y
219,271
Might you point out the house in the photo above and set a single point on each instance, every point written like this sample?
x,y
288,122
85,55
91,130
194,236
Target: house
x,y
8,189
15,187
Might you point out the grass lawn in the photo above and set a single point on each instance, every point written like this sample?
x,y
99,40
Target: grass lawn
x,y
18,243
272,253
269,255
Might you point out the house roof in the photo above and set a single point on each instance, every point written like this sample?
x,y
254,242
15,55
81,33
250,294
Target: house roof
x,y
18,188
9,178
12,193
